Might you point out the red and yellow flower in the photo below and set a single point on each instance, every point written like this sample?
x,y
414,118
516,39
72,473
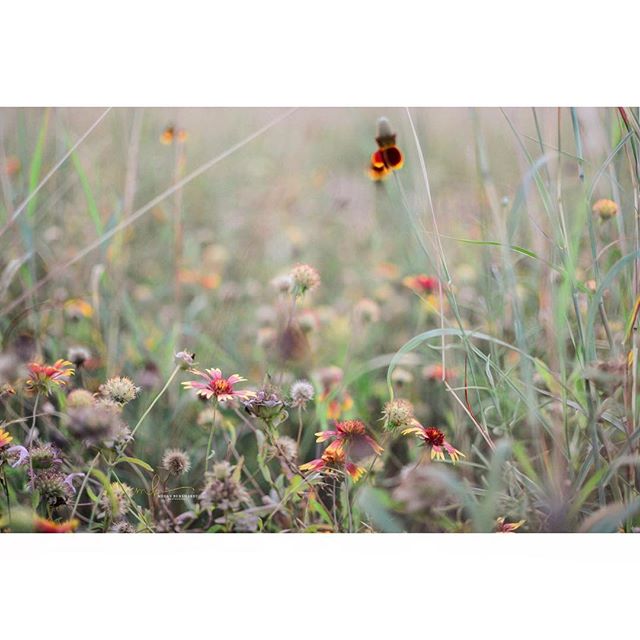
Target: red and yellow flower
x,y
43,525
507,527
421,284
435,440
351,436
216,386
5,438
387,157
44,377
333,460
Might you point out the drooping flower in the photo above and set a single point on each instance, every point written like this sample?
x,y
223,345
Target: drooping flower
x,y
333,460
44,377
435,439
350,435
266,403
605,209
43,525
507,527
216,385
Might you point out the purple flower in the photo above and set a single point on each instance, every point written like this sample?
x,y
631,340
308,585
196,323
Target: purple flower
x,y
69,480
21,452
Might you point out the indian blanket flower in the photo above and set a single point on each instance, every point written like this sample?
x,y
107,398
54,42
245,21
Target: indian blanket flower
x,y
605,209
44,378
350,435
435,440
5,438
507,527
216,386
43,525
333,460
421,284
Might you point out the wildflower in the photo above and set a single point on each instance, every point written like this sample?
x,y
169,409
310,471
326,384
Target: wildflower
x,y
187,358
421,284
121,498
80,398
282,284
176,462
43,525
6,390
44,377
76,309
266,404
223,489
507,527
434,372
301,392
216,385
605,209
44,456
244,522
330,378
388,156
5,438
68,481
21,452
50,483
78,356
331,460
304,278
119,390
292,342
434,438
351,435
172,133
398,414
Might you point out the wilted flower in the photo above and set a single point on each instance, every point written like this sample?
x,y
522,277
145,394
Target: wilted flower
x,y
605,209
507,527
266,404
397,414
222,488
434,438
51,486
305,278
119,390
44,377
301,392
176,462
350,435
186,358
285,447
216,386
78,356
333,460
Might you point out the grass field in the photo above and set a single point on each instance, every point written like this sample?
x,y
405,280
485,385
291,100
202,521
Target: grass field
x,y
463,327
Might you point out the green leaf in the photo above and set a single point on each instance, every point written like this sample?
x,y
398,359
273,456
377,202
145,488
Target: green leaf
x,y
136,461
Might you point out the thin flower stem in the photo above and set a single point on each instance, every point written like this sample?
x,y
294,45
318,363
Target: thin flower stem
x,y
213,426
174,373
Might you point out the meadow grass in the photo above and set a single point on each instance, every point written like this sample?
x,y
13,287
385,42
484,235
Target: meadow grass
x,y
482,298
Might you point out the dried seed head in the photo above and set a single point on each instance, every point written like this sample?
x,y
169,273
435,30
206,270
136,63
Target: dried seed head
x,y
176,462
301,392
80,398
397,414
119,390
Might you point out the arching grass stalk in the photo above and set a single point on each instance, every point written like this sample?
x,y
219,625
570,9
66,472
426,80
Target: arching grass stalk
x,y
174,373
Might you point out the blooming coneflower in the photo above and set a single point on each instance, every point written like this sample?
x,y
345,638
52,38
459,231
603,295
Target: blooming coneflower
x,y
605,209
5,438
43,525
216,385
434,438
332,460
351,435
507,527
44,377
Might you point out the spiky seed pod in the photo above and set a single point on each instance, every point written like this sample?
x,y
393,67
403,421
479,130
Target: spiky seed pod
x,y
397,414
176,462
80,398
119,390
